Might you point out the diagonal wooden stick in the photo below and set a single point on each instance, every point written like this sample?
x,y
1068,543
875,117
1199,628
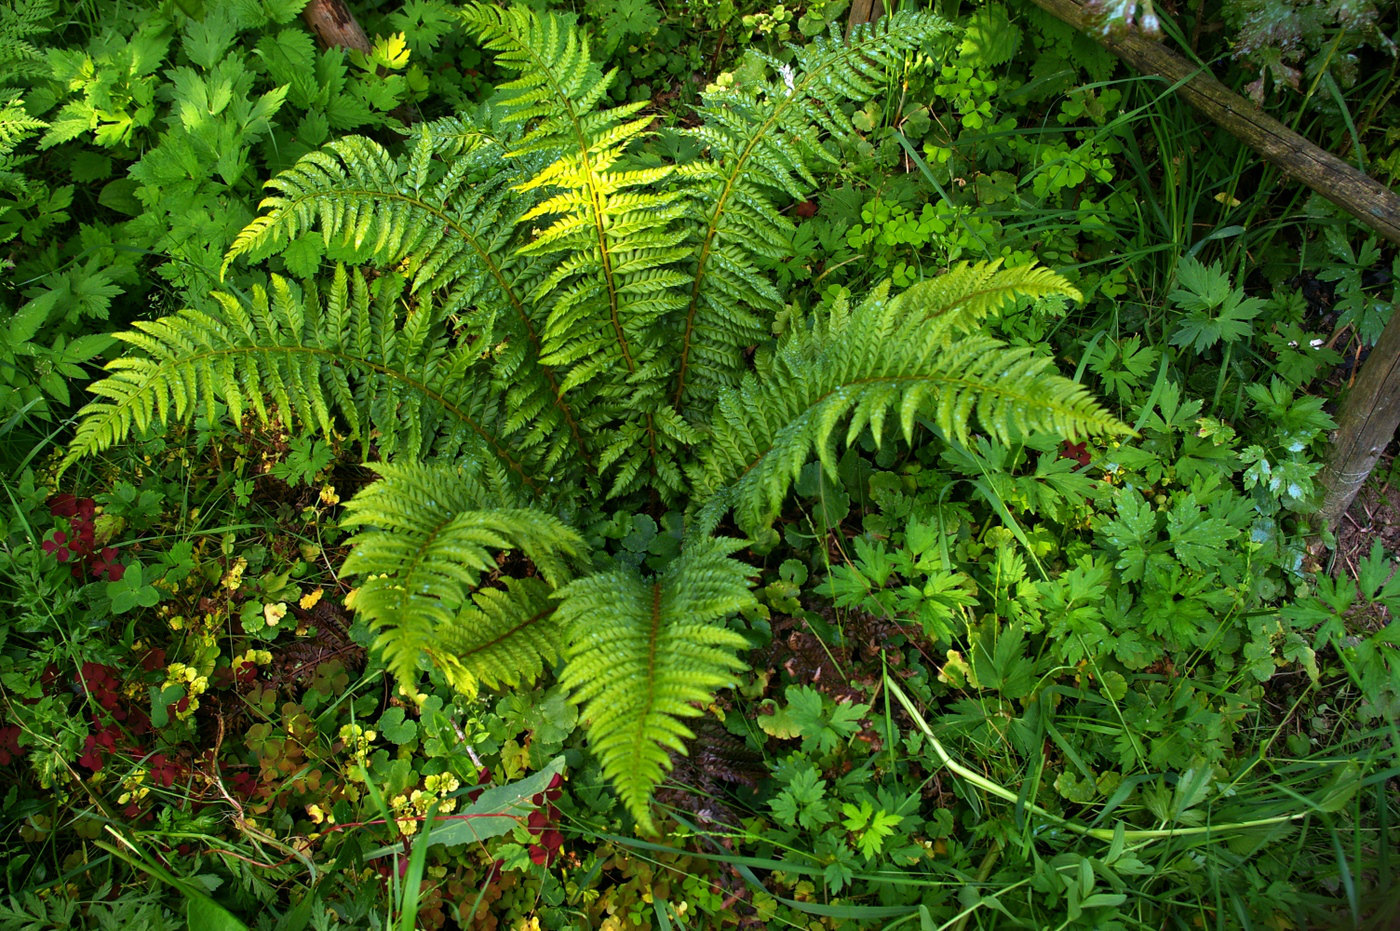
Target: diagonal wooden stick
x,y
334,26
1357,193
332,22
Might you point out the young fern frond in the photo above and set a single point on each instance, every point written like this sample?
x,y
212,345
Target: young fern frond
x,y
762,143
613,239
646,653
884,356
430,535
354,354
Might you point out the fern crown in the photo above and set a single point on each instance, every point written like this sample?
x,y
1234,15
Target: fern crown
x,y
555,317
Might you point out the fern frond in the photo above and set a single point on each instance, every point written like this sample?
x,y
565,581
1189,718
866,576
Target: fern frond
x,y
444,225
645,654
431,534
614,240
601,217
386,373
763,142
964,296
880,358
21,21
16,124
557,85
450,227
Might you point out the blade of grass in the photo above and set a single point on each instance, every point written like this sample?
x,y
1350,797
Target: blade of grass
x,y
413,881
977,780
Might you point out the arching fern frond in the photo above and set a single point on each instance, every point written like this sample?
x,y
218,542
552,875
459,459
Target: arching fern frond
x,y
450,227
444,214
646,653
885,356
763,141
356,354
430,535
963,297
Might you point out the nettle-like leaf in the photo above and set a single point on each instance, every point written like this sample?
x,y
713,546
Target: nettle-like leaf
x,y
1215,312
1133,534
646,653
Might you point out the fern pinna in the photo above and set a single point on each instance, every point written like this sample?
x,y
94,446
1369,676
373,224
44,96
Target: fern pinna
x,y
555,319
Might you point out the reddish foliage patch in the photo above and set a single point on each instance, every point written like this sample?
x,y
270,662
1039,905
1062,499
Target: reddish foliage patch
x,y
77,544
9,745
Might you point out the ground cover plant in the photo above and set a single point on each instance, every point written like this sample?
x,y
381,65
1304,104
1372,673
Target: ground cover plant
x,y
860,483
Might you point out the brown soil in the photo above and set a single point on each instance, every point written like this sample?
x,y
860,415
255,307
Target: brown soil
x,y
1374,515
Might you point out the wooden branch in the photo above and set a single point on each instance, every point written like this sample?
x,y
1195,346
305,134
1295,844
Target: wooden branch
x,y
863,11
1357,193
334,25
1366,424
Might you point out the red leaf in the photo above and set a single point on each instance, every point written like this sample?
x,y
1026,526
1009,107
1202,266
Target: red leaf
x,y
63,505
1079,452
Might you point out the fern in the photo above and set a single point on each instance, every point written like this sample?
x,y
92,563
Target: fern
x,y
449,226
888,354
20,22
432,534
405,209
644,654
614,240
383,371
559,318
762,143
16,125
968,293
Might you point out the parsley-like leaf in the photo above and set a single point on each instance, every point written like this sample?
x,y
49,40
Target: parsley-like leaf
x,y
1216,312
